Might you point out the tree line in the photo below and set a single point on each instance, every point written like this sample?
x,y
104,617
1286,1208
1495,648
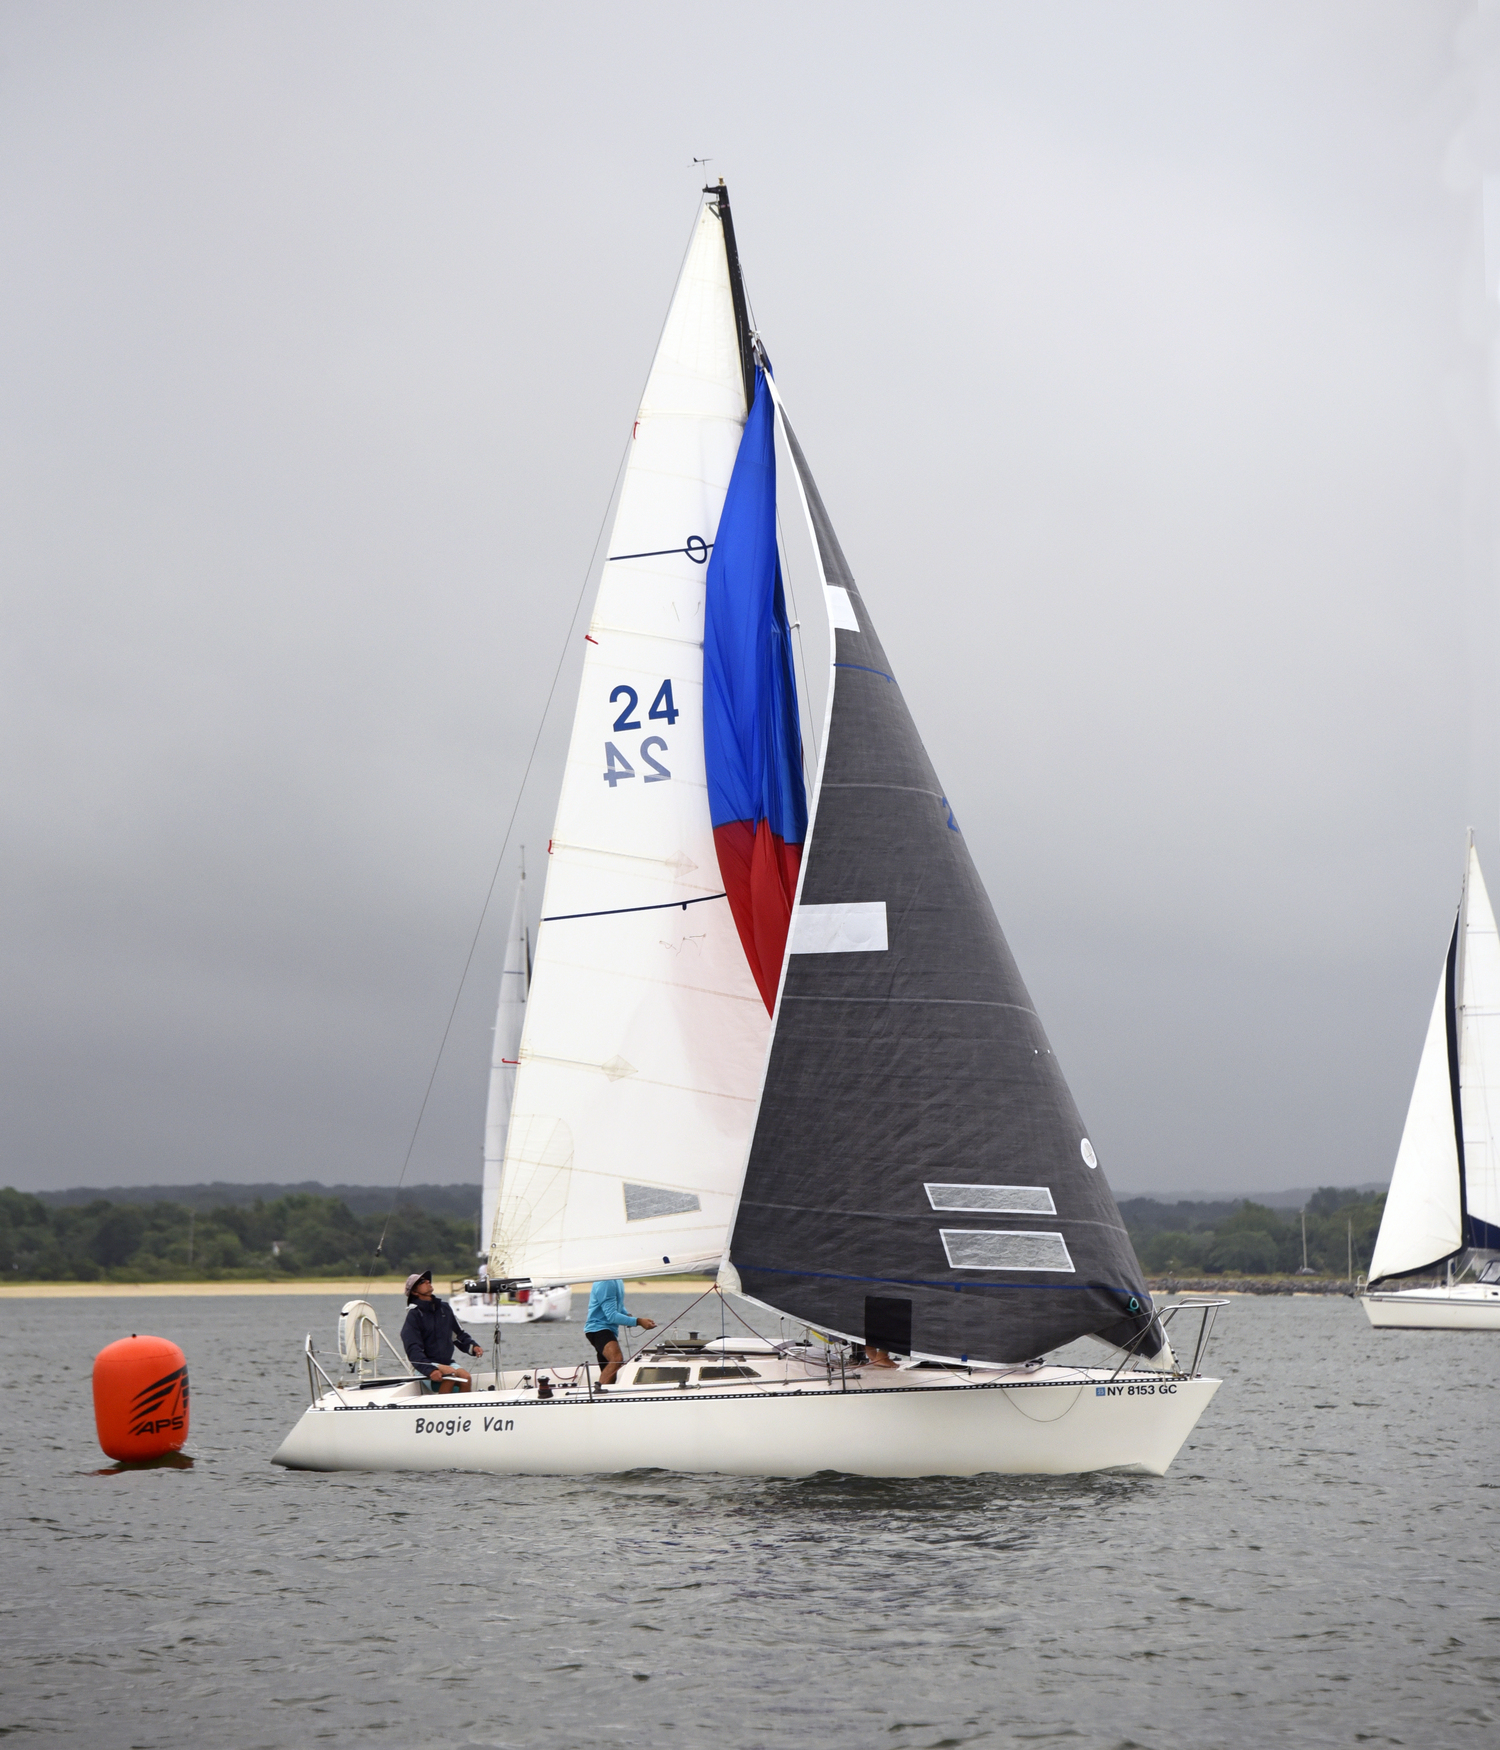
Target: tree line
x,y
1250,1239
297,1235
303,1234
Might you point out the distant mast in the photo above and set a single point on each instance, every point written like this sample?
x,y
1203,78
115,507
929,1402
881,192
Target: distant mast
x,y
510,1019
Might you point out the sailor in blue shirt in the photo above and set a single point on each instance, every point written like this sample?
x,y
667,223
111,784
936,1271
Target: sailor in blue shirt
x,y
607,1312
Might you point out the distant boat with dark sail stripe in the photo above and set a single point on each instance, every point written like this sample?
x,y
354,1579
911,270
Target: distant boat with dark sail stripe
x,y
779,1035
1442,1212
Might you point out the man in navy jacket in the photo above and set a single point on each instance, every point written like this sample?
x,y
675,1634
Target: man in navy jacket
x,y
429,1335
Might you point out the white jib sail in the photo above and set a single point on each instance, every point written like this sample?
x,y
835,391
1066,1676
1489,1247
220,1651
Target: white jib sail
x,y
510,1016
645,1034
1479,1050
1423,1216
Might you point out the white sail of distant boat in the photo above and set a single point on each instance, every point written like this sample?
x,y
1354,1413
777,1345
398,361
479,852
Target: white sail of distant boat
x,y
510,1017
481,1301
779,1037
644,1029
1443,1206
1479,1064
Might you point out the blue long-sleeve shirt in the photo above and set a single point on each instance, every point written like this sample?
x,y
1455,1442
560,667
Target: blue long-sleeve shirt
x,y
607,1307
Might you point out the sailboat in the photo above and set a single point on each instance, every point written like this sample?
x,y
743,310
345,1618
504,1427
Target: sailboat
x,y
1443,1208
500,1302
775,1032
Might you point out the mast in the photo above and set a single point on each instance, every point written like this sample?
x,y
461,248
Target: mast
x,y
736,291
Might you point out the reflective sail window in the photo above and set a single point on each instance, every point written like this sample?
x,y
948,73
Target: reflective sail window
x,y
642,1202
1005,1250
998,1199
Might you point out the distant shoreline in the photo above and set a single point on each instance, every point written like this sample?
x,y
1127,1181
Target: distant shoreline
x,y
343,1290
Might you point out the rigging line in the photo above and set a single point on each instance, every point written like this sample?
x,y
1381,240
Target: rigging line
x,y
551,691
660,1331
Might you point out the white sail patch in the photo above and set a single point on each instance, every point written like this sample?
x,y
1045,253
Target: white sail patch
x,y
994,1199
841,614
1002,1249
850,927
644,1202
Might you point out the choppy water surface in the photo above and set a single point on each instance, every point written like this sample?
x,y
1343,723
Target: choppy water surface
x,y
1319,1568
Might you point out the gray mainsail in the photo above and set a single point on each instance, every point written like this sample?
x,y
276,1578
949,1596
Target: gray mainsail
x,y
919,1178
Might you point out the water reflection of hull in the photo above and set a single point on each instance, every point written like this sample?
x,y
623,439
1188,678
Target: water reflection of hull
x,y
554,1302
1472,1306
1051,1421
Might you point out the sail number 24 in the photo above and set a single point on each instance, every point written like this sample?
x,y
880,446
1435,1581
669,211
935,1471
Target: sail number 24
x,y
616,765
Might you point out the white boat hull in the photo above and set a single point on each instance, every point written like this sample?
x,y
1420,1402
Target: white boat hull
x,y
474,1311
921,1426
1471,1306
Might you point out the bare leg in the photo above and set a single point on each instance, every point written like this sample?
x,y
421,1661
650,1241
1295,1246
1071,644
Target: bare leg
x,y
613,1361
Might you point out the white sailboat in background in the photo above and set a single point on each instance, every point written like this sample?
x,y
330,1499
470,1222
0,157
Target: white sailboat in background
x,y
506,1304
1443,1207
779,1036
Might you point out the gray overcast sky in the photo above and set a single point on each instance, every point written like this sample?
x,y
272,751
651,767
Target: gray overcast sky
x,y
1142,352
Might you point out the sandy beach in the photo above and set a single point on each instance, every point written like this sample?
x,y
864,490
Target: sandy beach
x,y
341,1290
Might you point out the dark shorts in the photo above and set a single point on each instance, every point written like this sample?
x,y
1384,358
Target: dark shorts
x,y
599,1339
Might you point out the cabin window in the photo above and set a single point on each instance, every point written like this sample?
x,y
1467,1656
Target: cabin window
x,y
661,1376
727,1373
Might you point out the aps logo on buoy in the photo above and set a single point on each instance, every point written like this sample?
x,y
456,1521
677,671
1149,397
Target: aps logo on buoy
x,y
141,1398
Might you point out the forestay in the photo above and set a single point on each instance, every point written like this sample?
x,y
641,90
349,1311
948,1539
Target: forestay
x,y
919,1176
644,1030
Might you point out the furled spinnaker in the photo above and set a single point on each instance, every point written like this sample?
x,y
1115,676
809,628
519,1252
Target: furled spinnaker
x,y
141,1398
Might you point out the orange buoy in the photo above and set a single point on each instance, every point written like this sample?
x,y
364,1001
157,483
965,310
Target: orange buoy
x,y
141,1398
